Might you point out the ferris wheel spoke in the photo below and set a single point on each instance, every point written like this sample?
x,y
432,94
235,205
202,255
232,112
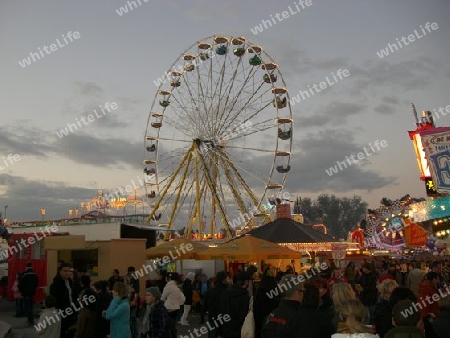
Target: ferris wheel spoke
x,y
235,99
232,118
234,190
248,148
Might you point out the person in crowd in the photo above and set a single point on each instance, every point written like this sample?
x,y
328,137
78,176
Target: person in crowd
x,y
388,274
429,310
134,281
202,288
326,303
27,286
156,321
353,314
253,273
20,308
341,292
415,277
310,313
118,312
76,283
161,282
402,275
62,290
436,267
264,302
235,302
135,302
115,277
48,316
87,319
401,293
103,300
350,273
405,326
85,281
187,291
382,313
441,326
212,304
173,298
284,320
369,292
293,266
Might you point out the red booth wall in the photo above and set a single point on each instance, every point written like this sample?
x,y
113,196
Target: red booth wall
x,y
17,265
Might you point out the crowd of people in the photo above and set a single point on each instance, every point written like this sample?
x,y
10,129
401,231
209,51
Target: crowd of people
x,y
385,299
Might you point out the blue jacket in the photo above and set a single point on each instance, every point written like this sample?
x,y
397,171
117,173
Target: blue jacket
x,y
119,314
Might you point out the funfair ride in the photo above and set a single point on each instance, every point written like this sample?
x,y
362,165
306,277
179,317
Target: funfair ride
x,y
218,139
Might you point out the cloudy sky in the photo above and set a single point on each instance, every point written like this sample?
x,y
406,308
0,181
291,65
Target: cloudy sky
x,y
116,58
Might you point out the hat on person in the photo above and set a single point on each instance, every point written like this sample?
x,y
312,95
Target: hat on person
x,y
154,291
190,276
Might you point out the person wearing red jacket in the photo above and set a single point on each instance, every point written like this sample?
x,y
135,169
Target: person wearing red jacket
x,y
428,304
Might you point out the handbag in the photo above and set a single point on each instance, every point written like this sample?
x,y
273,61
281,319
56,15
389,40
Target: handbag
x,y
248,328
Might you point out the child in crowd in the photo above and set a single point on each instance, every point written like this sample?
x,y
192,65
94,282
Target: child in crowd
x,y
20,308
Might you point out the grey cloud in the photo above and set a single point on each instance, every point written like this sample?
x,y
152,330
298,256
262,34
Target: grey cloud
x,y
88,88
335,113
316,155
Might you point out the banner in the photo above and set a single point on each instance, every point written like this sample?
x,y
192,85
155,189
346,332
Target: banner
x,y
436,144
415,235
338,251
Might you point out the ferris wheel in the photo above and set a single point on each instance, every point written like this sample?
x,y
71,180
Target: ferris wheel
x,y
218,139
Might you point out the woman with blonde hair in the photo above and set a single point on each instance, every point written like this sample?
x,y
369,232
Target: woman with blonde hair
x,y
340,293
352,314
382,313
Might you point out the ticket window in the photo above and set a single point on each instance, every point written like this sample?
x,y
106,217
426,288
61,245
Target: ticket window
x,y
84,261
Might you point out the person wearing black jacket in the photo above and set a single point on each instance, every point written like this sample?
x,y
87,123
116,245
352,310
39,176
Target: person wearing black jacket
x,y
263,304
104,298
309,313
382,313
187,290
235,302
62,290
369,294
284,320
27,286
212,303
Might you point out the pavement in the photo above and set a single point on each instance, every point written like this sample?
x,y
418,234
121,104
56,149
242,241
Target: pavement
x,y
20,328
